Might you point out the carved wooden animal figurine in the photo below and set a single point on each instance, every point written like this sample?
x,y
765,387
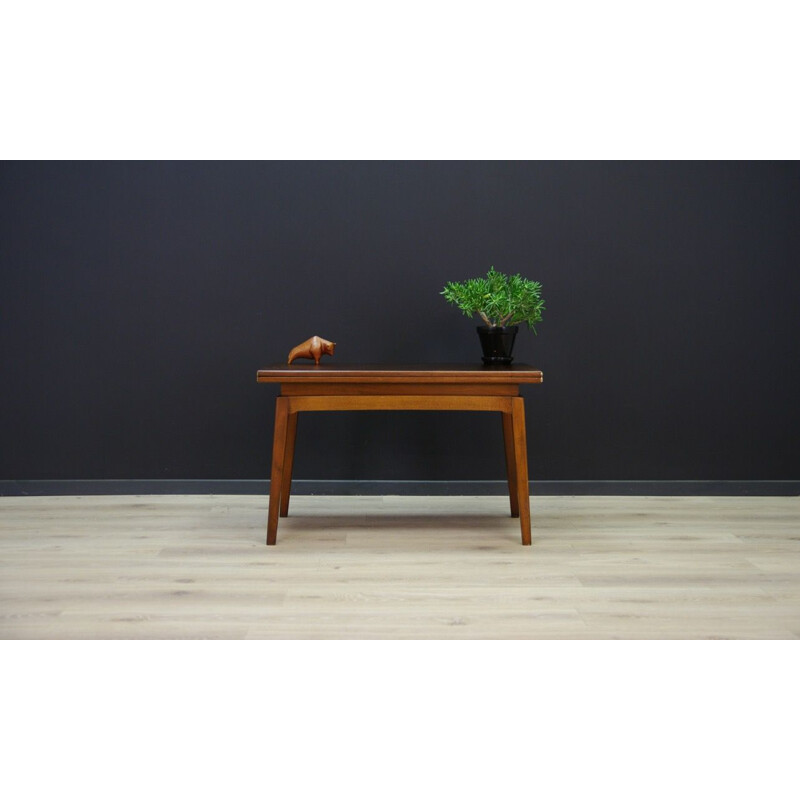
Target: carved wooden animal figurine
x,y
312,348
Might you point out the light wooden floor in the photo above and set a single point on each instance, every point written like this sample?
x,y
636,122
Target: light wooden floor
x,y
196,567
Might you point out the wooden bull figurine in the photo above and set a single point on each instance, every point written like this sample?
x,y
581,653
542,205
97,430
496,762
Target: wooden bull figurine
x,y
312,348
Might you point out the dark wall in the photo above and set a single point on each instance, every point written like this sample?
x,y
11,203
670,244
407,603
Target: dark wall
x,y
137,301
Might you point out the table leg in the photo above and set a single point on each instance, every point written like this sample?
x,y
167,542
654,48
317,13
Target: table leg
x,y
521,460
276,476
511,464
288,463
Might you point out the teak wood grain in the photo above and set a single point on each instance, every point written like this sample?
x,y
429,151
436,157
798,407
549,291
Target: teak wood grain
x,y
444,387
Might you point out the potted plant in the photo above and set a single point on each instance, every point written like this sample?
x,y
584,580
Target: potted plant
x,y
502,302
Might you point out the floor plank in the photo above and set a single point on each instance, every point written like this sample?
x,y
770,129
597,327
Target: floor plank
x,y
196,567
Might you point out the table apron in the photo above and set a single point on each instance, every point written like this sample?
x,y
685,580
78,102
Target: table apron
x,y
307,388
393,402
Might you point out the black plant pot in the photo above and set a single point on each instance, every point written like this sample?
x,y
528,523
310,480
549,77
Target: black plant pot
x,y
497,343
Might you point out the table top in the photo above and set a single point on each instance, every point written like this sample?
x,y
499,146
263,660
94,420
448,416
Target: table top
x,y
398,373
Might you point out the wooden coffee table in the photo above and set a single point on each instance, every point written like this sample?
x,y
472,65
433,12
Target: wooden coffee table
x,y
365,387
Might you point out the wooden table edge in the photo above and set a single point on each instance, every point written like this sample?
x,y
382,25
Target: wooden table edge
x,y
433,376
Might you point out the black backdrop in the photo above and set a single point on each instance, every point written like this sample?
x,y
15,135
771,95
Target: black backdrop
x,y
137,301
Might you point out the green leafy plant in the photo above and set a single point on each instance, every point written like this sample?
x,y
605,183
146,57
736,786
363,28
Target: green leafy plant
x,y
498,299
